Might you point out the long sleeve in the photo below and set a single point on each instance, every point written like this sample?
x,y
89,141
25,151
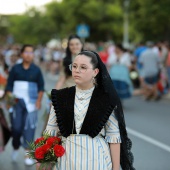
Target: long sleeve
x,y
40,81
112,130
10,81
52,127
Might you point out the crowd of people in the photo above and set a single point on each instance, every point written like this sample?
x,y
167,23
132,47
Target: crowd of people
x,y
123,72
141,64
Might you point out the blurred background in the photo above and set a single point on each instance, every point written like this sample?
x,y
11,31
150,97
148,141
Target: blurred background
x,y
132,34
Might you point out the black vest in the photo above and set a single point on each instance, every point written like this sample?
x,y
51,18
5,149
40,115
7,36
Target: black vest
x,y
97,115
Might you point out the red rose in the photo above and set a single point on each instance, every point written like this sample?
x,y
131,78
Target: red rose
x,y
50,141
53,140
39,140
39,153
59,150
46,148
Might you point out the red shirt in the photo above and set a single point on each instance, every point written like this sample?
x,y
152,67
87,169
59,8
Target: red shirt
x,y
104,56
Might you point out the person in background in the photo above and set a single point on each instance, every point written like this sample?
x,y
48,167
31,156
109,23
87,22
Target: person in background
x,y
150,69
4,129
90,120
137,53
26,83
119,65
74,46
104,54
14,57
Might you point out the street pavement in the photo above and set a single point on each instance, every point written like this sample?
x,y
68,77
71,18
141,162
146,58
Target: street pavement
x,y
148,125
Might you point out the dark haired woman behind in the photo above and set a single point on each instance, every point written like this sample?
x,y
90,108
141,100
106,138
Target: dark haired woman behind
x,y
89,119
74,46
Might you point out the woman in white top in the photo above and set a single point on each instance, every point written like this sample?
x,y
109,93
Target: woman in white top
x,y
74,46
119,65
89,119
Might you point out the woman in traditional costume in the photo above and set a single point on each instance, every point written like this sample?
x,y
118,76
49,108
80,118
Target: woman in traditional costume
x,y
89,119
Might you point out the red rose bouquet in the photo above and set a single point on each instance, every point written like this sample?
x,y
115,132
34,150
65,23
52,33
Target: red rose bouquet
x,y
46,150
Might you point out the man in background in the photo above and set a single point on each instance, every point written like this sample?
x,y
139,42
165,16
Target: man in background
x,y
150,72
26,83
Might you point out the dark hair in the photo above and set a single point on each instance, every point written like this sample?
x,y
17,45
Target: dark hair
x,y
92,56
68,59
120,47
25,46
94,61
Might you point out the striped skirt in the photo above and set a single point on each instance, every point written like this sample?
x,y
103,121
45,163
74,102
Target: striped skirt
x,y
85,153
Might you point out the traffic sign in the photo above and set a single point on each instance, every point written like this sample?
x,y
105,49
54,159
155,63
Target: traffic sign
x,y
83,31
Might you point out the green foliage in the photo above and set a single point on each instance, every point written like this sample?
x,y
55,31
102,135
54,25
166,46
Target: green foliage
x,y
151,18
147,20
60,19
32,27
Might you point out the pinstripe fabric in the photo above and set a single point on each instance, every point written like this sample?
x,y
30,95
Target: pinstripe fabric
x,y
82,151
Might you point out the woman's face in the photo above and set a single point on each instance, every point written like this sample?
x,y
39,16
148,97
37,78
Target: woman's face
x,y
83,72
75,46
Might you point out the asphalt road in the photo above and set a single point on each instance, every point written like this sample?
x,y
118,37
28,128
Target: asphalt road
x,y
148,125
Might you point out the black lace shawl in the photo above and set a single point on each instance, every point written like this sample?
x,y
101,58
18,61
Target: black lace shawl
x,y
104,81
99,111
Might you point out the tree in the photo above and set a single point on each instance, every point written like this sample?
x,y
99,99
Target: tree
x,y
32,27
151,19
104,18
148,20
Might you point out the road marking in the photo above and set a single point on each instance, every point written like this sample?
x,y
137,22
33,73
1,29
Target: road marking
x,y
148,139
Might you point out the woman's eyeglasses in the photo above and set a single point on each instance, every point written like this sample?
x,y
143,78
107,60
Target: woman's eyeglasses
x,y
81,69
